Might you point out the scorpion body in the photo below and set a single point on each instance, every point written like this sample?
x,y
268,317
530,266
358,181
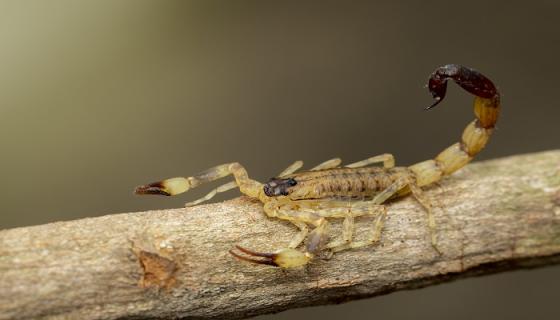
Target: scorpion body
x,y
336,183
327,191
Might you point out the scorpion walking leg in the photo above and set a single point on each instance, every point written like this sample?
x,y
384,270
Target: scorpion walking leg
x,y
291,169
380,212
423,200
357,210
346,210
211,194
329,164
387,159
289,257
309,210
332,163
298,239
348,227
375,208
301,216
316,213
326,209
173,186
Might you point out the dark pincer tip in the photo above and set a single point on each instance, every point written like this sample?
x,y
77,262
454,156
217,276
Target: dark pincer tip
x,y
152,188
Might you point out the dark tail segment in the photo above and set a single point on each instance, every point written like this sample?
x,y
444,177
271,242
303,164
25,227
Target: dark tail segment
x,y
470,80
476,134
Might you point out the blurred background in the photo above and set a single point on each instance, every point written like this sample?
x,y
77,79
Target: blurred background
x,y
97,97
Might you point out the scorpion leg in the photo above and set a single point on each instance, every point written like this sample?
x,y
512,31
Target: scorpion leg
x,y
291,169
298,239
336,209
349,212
329,164
300,216
332,163
309,210
290,257
418,195
340,210
211,194
348,227
387,159
174,186
424,201
316,212
375,208
326,209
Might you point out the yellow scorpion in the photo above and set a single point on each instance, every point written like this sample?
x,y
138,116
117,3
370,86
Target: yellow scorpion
x,y
329,190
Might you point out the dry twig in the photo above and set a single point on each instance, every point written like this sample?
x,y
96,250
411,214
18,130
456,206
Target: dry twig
x,y
496,215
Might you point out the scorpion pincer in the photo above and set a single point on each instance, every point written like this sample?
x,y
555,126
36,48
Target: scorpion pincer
x,y
308,199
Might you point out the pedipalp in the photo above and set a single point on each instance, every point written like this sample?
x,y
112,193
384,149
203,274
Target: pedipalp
x,y
283,258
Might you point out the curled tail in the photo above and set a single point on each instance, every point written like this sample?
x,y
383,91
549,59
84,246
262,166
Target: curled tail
x,y
476,134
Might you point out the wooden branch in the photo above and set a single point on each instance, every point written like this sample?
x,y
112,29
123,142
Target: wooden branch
x,y
496,215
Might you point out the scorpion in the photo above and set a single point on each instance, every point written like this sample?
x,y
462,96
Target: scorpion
x,y
308,199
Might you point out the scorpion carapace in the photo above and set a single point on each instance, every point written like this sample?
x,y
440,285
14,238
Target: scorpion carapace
x,y
309,199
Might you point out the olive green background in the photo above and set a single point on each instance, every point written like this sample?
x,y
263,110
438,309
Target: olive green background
x,y
97,97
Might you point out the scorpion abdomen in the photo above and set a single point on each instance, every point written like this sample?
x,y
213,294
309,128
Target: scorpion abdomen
x,y
341,183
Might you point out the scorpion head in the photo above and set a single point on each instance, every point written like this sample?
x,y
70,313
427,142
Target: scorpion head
x,y
278,186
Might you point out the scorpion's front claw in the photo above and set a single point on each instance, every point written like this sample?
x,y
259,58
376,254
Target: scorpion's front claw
x,y
167,187
283,258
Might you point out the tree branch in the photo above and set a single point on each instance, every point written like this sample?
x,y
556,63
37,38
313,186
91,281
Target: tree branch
x,y
492,216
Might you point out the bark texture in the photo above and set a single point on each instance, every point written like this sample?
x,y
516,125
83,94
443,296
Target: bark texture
x,y
492,216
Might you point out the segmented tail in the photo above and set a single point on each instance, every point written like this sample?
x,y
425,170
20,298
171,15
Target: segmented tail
x,y
476,134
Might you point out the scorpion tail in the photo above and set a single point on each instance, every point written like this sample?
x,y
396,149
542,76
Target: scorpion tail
x,y
476,134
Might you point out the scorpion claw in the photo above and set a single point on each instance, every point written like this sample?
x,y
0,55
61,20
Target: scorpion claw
x,y
167,187
151,189
268,257
283,258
